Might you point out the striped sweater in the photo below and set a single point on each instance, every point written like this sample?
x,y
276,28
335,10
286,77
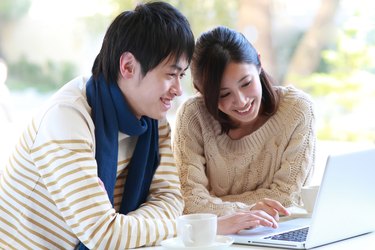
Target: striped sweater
x,y
50,196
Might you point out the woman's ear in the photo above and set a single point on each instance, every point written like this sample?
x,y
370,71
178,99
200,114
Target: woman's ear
x,y
127,65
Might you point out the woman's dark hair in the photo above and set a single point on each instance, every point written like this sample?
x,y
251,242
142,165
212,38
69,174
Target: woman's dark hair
x,y
214,50
152,32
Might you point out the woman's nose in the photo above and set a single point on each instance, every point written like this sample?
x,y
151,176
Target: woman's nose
x,y
240,100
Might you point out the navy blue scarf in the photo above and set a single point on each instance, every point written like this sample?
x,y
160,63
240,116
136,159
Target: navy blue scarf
x,y
111,114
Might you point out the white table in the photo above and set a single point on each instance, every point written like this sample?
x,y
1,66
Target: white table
x,y
364,242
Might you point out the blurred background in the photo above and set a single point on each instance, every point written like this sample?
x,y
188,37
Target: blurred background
x,y
325,47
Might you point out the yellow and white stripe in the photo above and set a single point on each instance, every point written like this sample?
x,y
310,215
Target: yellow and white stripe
x,y
50,197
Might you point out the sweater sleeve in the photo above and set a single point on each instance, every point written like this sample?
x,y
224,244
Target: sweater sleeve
x,y
188,148
297,161
165,201
63,152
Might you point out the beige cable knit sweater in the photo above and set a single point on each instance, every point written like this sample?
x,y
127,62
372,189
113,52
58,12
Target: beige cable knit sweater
x,y
220,175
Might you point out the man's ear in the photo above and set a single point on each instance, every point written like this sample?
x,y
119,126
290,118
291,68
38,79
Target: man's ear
x,y
128,65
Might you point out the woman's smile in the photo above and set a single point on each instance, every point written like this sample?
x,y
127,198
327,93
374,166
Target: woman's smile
x,y
246,110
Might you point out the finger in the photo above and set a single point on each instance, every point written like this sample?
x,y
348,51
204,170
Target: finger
x,y
267,223
261,222
265,219
267,208
259,215
276,205
271,211
254,219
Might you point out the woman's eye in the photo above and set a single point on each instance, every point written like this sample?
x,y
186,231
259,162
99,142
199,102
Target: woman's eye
x,y
246,84
224,95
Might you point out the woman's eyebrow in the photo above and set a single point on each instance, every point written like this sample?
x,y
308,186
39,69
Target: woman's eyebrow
x,y
239,81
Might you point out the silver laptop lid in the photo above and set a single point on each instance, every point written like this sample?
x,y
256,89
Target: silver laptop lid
x,y
346,200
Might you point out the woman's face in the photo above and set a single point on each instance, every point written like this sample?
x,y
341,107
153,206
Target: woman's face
x,y
241,93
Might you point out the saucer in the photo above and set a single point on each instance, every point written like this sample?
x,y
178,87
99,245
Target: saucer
x,y
221,242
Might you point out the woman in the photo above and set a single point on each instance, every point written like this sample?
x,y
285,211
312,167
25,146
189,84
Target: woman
x,y
241,142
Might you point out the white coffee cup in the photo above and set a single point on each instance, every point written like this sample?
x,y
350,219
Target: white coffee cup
x,y
308,196
197,230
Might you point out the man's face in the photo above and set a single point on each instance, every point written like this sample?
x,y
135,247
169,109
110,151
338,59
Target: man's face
x,y
152,94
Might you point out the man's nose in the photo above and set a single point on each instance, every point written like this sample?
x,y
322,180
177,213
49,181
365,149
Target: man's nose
x,y
176,88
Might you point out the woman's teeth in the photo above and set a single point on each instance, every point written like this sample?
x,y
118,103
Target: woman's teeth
x,y
244,110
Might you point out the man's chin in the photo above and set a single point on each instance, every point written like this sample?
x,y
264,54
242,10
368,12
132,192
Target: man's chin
x,y
159,116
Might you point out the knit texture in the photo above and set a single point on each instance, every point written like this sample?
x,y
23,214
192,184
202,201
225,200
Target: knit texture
x,y
50,196
220,175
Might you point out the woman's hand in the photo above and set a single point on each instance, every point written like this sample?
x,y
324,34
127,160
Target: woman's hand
x,y
233,223
271,207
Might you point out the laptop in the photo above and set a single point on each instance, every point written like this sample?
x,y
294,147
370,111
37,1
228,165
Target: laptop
x,y
344,207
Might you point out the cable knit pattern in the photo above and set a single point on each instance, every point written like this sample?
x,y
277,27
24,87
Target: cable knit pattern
x,y
220,175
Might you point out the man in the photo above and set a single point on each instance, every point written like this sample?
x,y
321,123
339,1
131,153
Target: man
x,y
94,169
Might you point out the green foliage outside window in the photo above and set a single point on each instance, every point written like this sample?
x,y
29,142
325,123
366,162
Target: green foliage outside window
x,y
345,85
13,9
45,77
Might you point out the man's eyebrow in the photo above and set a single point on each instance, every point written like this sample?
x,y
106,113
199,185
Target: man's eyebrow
x,y
178,67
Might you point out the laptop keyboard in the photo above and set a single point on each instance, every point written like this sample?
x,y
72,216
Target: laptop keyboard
x,y
298,235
